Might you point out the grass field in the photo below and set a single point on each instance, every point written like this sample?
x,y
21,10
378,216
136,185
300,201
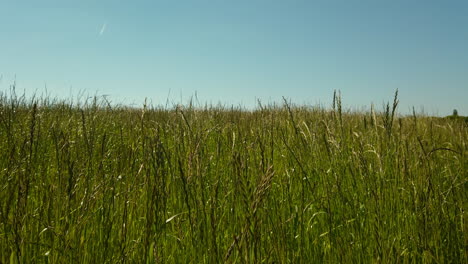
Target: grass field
x,y
95,183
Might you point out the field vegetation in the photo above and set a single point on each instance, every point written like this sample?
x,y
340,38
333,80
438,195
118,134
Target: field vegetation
x,y
92,182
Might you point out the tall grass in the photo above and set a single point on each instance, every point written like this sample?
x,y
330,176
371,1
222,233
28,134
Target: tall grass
x,y
95,183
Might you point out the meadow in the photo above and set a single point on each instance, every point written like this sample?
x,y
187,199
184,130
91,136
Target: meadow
x,y
91,182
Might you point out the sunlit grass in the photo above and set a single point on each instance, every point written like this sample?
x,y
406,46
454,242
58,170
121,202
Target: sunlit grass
x,y
95,183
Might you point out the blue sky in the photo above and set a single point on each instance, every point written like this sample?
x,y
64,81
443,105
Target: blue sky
x,y
236,52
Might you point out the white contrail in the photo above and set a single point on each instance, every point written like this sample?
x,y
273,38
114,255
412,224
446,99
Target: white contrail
x,y
103,28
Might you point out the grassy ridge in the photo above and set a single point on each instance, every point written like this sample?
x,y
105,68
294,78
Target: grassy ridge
x,y
95,184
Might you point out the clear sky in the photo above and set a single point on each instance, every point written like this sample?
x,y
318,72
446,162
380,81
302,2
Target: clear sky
x,y
238,51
